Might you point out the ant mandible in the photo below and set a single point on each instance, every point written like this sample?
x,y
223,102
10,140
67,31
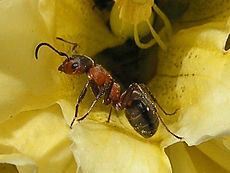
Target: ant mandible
x,y
138,102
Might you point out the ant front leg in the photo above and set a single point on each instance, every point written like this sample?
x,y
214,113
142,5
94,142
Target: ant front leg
x,y
82,95
155,100
93,104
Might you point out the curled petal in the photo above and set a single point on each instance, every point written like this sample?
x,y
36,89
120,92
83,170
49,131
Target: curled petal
x,y
217,150
192,159
99,148
22,163
41,136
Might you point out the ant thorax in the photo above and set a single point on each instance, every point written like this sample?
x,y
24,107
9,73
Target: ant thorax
x,y
99,75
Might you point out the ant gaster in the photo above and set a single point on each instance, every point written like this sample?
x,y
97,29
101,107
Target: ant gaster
x,y
137,100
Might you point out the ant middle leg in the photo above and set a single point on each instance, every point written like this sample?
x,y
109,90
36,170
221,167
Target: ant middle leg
x,y
107,99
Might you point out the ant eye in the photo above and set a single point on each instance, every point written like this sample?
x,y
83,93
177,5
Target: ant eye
x,y
75,65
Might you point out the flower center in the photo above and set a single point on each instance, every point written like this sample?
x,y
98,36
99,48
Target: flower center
x,y
134,19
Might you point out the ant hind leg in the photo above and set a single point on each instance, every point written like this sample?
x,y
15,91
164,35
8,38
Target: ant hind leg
x,y
155,100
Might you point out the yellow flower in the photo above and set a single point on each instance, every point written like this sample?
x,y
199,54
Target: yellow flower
x,y
37,102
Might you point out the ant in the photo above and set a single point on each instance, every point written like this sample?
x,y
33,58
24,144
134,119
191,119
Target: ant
x,y
137,101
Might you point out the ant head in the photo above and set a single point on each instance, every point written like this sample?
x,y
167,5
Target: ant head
x,y
78,64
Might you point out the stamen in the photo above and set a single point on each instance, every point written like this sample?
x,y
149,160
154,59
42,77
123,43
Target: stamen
x,y
131,14
164,18
156,36
137,40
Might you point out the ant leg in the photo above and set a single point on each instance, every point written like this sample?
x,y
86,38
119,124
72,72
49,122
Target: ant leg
x,y
107,99
82,95
159,117
155,100
47,44
93,104
110,112
70,42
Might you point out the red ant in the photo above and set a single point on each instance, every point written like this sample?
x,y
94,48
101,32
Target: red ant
x,y
140,109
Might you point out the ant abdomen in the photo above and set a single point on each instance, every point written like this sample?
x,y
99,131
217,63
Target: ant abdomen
x,y
141,118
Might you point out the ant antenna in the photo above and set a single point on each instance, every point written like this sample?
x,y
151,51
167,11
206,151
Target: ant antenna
x,y
47,44
70,42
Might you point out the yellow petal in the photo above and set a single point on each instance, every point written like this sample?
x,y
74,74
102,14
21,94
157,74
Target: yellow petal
x,y
25,83
23,164
217,151
200,12
180,159
192,160
99,148
194,77
41,136
8,168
